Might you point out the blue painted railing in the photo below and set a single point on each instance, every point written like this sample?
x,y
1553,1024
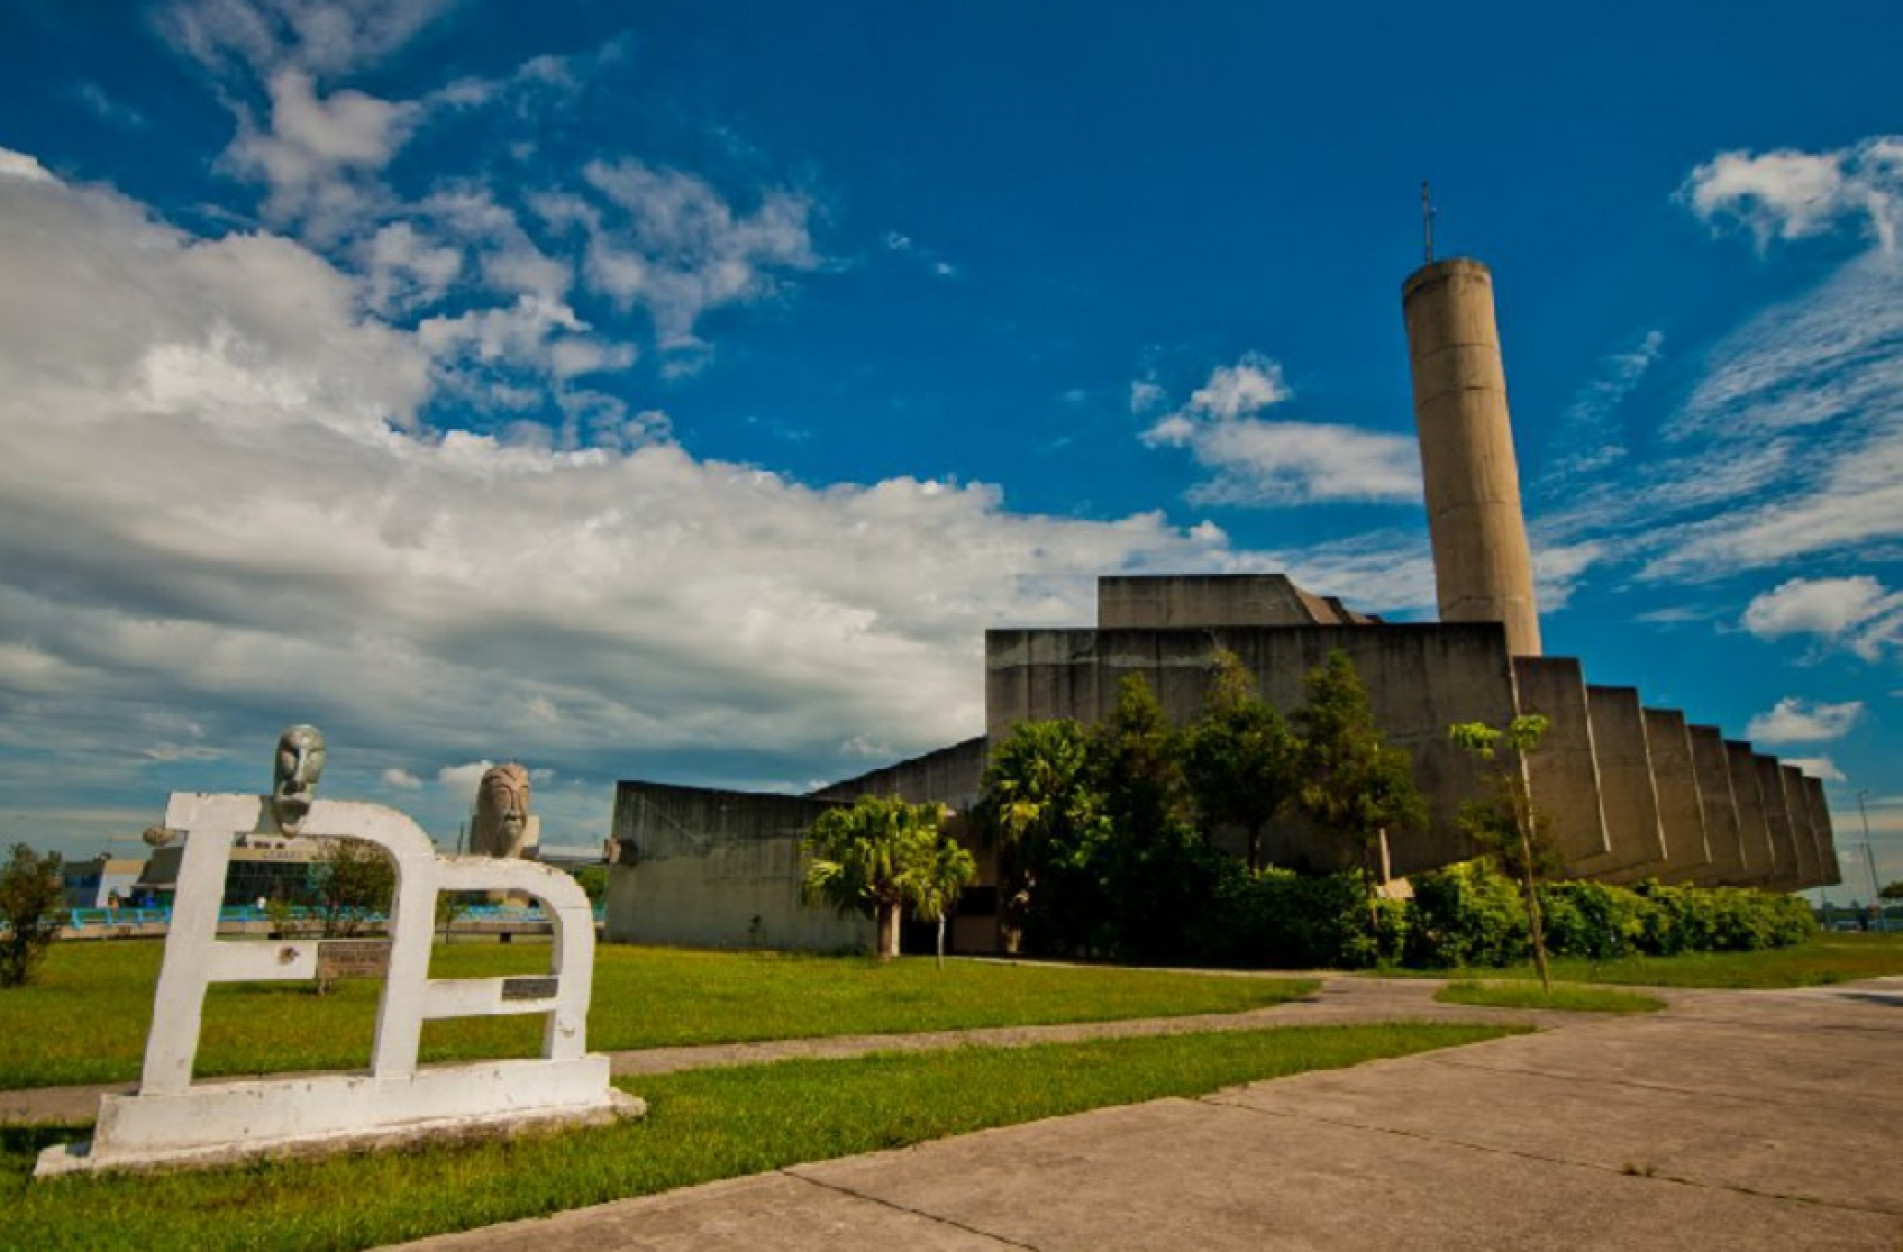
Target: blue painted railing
x,y
82,919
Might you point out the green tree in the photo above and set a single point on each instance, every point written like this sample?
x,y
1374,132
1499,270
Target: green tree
x,y
1891,891
32,893
1153,870
593,880
355,880
1240,758
874,859
1355,787
934,886
1507,826
1043,809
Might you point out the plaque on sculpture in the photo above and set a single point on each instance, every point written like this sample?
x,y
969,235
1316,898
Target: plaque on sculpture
x,y
529,988
352,958
173,1121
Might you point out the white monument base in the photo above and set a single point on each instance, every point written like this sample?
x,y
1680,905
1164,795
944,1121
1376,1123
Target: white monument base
x,y
220,1123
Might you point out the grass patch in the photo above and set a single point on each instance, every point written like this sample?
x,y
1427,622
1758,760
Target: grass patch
x,y
702,1125
1826,959
85,1017
1526,995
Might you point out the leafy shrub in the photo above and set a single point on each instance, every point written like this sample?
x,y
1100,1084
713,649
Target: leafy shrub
x,y
1279,919
1465,914
1590,919
1462,915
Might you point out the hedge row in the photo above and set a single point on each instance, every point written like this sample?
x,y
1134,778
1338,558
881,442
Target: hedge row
x,y
1469,915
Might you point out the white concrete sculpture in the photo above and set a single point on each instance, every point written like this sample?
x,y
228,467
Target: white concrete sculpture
x,y
172,1121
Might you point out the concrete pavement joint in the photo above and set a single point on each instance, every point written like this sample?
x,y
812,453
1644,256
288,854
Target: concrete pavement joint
x,y
1696,1093
1629,1170
844,1190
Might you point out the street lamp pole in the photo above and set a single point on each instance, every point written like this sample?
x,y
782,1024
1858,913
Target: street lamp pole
x,y
1870,859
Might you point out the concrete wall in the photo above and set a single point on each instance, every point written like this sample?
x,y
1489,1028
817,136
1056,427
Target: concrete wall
x,y
1810,865
1828,869
717,869
1185,601
1563,773
1720,808
1675,781
1421,678
1752,826
1785,875
1625,786
951,776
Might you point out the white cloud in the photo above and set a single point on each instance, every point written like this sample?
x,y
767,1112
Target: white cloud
x,y
1821,606
321,36
1793,720
1794,195
1818,767
405,270
671,244
1247,387
1146,396
20,165
321,155
402,779
1300,462
221,499
461,781
1858,612
1259,462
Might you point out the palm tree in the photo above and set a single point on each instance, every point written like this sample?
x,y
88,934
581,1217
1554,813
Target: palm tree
x,y
872,858
933,890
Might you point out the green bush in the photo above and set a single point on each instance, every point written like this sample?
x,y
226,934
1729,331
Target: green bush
x,y
1467,914
1590,919
1278,919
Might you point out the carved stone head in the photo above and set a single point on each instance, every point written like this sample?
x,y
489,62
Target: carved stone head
x,y
299,764
502,810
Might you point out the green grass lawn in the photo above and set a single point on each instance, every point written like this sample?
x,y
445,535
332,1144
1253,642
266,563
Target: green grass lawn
x,y
85,1017
1528,995
1828,958
702,1125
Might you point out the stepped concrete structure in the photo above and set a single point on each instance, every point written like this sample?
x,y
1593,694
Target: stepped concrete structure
x,y
1632,791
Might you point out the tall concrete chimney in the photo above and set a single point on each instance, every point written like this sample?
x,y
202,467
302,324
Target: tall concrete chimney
x,y
1483,568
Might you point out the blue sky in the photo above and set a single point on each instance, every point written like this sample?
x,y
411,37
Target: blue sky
x,y
679,391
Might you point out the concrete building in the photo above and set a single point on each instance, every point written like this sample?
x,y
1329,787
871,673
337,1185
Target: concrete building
x,y
1633,791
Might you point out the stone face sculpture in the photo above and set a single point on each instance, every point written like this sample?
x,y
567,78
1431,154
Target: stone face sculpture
x,y
503,826
296,769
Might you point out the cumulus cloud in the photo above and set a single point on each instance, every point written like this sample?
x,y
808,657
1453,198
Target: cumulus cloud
x,y
223,500
1858,612
1258,462
1787,194
320,155
402,779
1821,767
23,167
1793,720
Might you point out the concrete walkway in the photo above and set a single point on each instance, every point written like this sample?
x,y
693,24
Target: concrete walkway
x,y
1735,1120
